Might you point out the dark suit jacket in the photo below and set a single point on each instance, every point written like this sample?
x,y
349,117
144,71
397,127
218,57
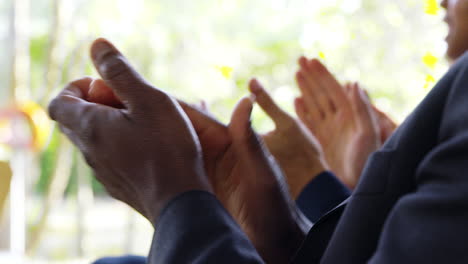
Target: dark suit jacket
x,y
318,197
321,195
410,206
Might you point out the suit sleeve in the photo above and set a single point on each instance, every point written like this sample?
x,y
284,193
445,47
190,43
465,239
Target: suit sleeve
x,y
429,225
321,195
195,228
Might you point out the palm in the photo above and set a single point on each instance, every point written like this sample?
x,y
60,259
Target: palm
x,y
340,117
295,155
251,187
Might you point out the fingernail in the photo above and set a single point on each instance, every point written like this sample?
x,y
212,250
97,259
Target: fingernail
x,y
101,48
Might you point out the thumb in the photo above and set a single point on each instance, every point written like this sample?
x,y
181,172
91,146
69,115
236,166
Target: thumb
x,y
361,104
265,101
246,142
240,125
249,147
118,74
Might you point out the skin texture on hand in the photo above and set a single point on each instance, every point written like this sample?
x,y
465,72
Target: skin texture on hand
x,y
297,151
144,154
244,177
386,125
341,118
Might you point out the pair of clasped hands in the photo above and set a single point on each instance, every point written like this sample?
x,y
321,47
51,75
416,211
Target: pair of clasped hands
x,y
147,147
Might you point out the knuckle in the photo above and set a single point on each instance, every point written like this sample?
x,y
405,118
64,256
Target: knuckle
x,y
114,67
53,107
155,100
89,135
87,129
162,98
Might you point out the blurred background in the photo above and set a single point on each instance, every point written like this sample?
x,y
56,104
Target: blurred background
x,y
198,50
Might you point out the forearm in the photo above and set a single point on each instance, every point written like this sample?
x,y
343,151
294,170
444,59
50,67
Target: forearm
x,y
275,225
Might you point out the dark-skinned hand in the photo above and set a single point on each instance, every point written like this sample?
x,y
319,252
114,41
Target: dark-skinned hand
x,y
144,154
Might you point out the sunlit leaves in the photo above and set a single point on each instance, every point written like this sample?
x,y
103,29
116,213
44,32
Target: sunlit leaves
x,y
430,81
431,7
225,71
430,60
321,55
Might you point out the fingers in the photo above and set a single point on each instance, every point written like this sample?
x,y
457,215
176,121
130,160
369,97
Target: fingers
x,y
328,82
70,105
386,124
383,117
101,93
315,114
115,70
247,144
84,85
348,88
267,104
309,89
312,75
240,126
320,87
203,106
363,111
302,113
361,102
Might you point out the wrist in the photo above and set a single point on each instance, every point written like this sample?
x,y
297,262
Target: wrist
x,y
306,176
180,184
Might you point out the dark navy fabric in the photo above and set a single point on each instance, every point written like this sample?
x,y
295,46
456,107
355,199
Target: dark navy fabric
x,y
122,260
318,197
182,235
321,195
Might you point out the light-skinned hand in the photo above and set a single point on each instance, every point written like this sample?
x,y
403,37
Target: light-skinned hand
x,y
341,118
144,154
297,151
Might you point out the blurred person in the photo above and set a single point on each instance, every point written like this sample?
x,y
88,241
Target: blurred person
x,y
330,111
342,118
158,168
457,20
423,189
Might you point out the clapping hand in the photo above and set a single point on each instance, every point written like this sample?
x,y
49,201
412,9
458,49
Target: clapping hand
x,y
146,153
144,146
